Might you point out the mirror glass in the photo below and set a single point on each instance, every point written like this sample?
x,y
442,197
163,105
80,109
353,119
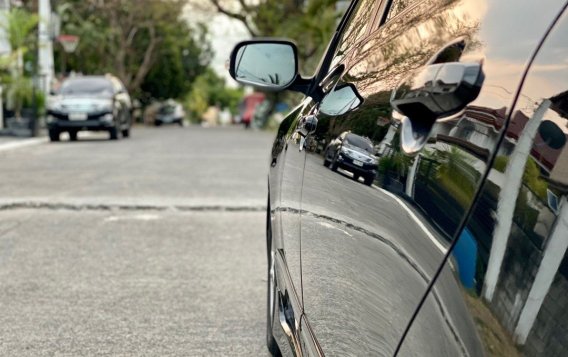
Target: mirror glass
x,y
341,100
266,65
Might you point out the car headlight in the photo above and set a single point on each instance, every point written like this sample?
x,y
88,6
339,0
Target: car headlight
x,y
107,118
55,106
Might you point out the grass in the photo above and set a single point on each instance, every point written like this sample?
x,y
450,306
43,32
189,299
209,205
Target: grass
x,y
496,339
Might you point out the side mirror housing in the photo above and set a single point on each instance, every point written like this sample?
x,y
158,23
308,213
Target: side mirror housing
x,y
268,64
438,90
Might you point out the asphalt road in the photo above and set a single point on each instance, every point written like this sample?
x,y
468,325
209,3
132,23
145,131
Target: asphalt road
x,y
148,246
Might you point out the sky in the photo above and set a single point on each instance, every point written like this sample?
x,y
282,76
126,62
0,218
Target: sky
x,y
224,33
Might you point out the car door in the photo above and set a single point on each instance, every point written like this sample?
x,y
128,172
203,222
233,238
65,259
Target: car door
x,y
513,248
285,187
370,253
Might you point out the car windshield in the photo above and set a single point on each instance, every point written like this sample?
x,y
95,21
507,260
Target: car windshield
x,y
359,142
167,109
87,86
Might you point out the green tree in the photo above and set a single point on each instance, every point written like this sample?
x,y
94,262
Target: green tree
x,y
146,43
208,90
178,63
20,28
294,19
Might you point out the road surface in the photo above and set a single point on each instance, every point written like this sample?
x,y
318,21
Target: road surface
x,y
148,246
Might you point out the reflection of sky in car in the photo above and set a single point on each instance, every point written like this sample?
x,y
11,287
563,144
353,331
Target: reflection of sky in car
x,y
339,101
268,63
359,142
92,86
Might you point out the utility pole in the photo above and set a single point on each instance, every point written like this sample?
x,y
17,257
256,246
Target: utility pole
x,y
45,46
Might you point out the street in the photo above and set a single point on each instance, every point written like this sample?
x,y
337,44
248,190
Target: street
x,y
147,246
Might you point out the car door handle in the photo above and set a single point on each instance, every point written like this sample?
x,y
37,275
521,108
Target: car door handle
x,y
288,322
308,125
286,316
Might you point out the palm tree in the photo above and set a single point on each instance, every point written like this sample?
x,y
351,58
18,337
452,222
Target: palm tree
x,y
19,28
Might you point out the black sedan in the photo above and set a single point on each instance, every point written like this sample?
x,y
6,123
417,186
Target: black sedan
x,y
460,247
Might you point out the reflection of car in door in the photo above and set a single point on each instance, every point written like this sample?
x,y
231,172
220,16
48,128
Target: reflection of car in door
x,y
466,254
353,153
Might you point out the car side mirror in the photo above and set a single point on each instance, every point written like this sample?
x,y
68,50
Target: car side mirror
x,y
434,92
266,64
552,135
438,90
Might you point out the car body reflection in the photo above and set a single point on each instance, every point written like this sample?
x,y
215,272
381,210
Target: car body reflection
x,y
353,153
457,245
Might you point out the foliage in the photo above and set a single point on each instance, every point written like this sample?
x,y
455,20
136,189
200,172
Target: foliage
x,y
20,28
146,43
265,18
531,176
457,175
209,90
179,63
532,179
22,93
501,163
397,164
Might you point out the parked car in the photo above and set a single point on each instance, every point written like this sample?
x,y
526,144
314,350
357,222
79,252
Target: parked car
x,y
353,153
93,103
468,103
170,112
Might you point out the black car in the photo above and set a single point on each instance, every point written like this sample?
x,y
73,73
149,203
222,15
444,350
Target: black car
x,y
92,103
459,248
353,153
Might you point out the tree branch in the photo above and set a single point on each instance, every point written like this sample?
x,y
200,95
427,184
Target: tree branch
x,y
147,61
242,18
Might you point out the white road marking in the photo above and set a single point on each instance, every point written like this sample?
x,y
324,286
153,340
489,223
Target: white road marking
x,y
138,217
331,226
425,229
20,143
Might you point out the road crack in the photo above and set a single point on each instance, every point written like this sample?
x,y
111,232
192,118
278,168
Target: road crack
x,y
63,206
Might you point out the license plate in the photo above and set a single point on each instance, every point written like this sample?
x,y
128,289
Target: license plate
x,y
357,162
78,116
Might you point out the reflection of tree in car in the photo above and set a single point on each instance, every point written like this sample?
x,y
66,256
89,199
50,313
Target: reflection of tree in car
x,y
274,79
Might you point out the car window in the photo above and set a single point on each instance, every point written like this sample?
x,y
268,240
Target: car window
x,y
91,86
